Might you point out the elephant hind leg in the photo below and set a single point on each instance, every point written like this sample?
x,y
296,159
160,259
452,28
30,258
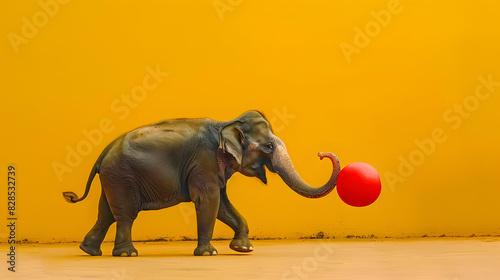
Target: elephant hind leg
x,y
125,210
92,242
123,242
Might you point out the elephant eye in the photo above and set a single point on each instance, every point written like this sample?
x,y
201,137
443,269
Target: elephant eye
x,y
267,147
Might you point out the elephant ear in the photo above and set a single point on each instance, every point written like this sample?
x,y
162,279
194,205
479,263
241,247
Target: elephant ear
x,y
231,140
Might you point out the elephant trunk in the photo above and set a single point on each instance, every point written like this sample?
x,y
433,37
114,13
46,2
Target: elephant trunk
x,y
283,166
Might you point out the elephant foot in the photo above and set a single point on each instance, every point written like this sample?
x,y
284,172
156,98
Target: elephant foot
x,y
205,250
242,245
91,250
125,251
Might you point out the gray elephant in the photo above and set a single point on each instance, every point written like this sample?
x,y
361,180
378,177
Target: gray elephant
x,y
172,161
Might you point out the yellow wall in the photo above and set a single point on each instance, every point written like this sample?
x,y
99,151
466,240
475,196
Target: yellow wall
x,y
66,67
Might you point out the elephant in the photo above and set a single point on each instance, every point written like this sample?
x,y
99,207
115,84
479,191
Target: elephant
x,y
188,160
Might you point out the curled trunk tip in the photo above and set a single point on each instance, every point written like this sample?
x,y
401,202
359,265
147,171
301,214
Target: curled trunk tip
x,y
284,167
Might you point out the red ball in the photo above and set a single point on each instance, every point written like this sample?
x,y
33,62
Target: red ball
x,y
358,184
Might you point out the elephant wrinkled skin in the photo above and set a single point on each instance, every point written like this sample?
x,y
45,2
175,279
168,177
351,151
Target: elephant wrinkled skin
x,y
172,161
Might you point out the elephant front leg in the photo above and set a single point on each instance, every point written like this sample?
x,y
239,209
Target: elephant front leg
x,y
206,213
206,201
231,217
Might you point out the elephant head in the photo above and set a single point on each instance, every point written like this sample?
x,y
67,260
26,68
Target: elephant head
x,y
251,144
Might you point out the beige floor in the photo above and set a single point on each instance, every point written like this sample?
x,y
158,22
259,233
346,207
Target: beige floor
x,y
474,258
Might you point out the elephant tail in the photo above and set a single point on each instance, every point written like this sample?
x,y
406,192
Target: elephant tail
x,y
71,197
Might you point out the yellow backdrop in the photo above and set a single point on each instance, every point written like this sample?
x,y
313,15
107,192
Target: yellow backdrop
x,y
410,87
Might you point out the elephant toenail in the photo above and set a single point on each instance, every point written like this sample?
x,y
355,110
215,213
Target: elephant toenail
x,y
124,254
244,247
134,254
206,254
214,253
251,248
